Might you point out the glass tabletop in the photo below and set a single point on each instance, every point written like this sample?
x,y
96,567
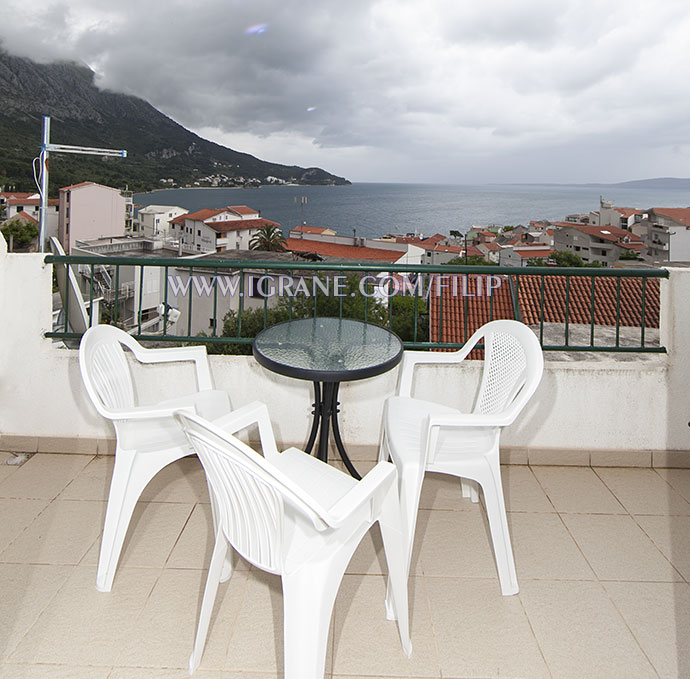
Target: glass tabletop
x,y
327,349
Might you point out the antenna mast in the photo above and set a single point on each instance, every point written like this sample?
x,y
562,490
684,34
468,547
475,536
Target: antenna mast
x,y
42,182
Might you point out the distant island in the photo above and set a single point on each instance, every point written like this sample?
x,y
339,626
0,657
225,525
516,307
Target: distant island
x,y
662,183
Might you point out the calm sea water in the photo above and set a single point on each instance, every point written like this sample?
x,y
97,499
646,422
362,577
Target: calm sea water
x,y
376,209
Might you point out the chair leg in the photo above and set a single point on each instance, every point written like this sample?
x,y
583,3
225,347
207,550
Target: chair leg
x,y
496,512
125,489
394,545
226,573
131,474
469,489
218,559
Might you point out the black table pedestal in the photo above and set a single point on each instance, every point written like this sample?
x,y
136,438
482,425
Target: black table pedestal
x,y
326,415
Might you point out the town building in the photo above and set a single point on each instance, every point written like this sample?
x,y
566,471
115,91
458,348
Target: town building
x,y
523,255
88,211
668,234
215,230
602,244
153,221
27,207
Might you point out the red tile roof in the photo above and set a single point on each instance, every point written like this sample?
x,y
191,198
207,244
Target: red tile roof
x,y
198,216
31,201
242,209
15,194
492,246
76,186
462,315
526,253
27,217
303,228
677,214
610,233
447,248
344,251
239,224
628,211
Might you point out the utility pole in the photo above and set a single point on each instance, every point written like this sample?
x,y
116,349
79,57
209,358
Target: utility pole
x,y
42,182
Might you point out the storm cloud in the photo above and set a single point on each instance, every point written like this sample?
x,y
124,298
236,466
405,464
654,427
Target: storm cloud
x,y
394,90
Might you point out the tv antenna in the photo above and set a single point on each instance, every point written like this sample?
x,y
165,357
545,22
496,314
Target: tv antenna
x,y
42,178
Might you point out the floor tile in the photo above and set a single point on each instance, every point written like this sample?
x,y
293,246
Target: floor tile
x,y
672,536
61,534
577,490
82,626
659,616
678,478
16,516
581,633
442,491
643,491
369,558
260,616
182,481
481,633
617,549
25,591
360,617
6,469
544,549
151,673
92,482
194,546
43,476
153,531
12,671
163,635
522,492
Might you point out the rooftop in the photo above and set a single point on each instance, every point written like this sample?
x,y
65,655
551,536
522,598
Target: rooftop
x,y
601,554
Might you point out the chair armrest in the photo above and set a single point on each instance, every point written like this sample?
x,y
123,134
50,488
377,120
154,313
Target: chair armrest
x,y
253,413
171,354
381,476
148,413
411,359
472,420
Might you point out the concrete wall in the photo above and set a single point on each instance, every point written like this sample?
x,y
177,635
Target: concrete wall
x,y
602,412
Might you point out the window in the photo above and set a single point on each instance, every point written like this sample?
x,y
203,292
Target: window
x,y
260,286
198,232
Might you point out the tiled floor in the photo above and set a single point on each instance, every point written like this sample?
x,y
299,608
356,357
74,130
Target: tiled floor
x,y
603,559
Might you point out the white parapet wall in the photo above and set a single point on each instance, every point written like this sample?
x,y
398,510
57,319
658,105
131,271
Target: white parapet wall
x,y
600,411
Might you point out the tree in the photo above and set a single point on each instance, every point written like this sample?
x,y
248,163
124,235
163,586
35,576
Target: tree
x,y
455,234
630,255
566,258
402,318
269,238
472,260
22,233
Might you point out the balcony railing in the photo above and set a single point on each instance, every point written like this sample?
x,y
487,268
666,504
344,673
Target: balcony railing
x,y
223,303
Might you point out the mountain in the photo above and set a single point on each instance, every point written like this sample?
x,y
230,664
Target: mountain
x,y
663,183
158,148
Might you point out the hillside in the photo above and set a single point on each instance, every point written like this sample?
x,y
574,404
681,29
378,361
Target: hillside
x,y
158,147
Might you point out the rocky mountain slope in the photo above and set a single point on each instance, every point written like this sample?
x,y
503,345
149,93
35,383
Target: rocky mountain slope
x,y
158,147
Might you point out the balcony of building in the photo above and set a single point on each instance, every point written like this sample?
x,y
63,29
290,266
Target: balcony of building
x,y
597,479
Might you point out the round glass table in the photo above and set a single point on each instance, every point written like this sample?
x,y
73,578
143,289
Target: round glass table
x,y
327,351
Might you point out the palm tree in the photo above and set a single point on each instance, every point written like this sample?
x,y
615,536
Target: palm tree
x,y
268,237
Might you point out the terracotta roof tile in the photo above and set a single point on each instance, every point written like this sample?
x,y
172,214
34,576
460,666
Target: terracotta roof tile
x,y
239,224
677,214
463,314
303,228
345,251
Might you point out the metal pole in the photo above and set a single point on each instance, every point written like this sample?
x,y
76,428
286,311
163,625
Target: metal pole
x,y
43,162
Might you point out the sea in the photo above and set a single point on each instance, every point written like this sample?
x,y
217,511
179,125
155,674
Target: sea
x,y
375,209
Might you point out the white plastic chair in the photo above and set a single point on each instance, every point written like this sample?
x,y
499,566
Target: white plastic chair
x,y
292,515
148,438
423,436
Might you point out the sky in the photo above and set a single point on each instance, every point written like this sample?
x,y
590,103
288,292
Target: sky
x,y
439,91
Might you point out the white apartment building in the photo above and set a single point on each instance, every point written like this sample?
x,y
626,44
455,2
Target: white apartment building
x,y
209,230
603,244
154,220
30,204
668,234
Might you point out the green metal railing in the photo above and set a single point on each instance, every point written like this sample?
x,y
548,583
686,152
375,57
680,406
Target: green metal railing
x,y
444,303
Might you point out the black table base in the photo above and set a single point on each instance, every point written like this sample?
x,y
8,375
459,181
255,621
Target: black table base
x,y
326,416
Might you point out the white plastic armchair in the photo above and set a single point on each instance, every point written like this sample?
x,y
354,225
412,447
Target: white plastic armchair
x,y
148,437
423,436
290,514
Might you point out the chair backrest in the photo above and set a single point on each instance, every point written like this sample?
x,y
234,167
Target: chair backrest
x,y
72,301
251,494
513,366
104,368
